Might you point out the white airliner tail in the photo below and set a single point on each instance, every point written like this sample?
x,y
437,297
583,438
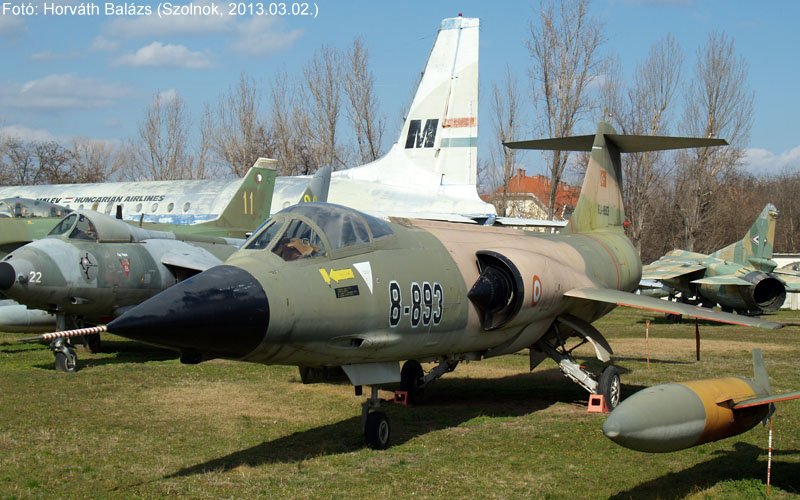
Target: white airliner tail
x,y
438,144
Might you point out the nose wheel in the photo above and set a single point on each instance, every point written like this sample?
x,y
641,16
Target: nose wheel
x,y
377,431
65,358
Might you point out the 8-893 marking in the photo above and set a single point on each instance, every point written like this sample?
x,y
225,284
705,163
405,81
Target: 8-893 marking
x,y
427,304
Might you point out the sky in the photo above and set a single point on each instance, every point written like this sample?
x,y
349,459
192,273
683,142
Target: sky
x,y
69,75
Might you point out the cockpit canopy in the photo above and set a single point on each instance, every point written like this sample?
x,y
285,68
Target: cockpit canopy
x,y
26,208
93,226
317,229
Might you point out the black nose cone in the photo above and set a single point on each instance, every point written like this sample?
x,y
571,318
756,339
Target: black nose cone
x,y
7,275
222,312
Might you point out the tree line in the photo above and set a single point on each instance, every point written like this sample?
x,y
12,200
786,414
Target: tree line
x,y
695,199
327,114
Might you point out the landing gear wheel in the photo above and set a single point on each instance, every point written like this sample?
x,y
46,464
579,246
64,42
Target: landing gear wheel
x,y
411,380
377,431
92,342
66,360
609,386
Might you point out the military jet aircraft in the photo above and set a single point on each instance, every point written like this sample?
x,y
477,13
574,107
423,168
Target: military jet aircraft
x,y
23,220
740,277
672,417
92,267
365,294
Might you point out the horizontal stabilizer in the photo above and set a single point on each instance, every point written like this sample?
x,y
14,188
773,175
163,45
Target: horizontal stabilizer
x,y
628,299
624,143
726,279
663,272
773,398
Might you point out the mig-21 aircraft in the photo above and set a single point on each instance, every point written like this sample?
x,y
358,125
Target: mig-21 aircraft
x,y
365,294
740,277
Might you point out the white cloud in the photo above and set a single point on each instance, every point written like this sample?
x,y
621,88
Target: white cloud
x,y
760,161
11,26
48,56
168,95
155,26
261,37
61,91
25,133
160,55
103,44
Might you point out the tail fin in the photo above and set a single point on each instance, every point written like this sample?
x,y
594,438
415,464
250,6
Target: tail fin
x,y
318,186
438,144
760,375
600,204
756,246
250,205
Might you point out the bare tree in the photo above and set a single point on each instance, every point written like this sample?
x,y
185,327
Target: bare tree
x,y
649,102
93,161
505,119
362,107
162,153
719,103
564,47
322,76
239,136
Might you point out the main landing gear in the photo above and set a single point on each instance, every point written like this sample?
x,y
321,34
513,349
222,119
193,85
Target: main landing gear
x,y
608,384
375,424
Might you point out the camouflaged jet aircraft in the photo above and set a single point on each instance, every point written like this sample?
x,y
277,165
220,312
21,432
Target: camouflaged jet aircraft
x,y
23,220
92,267
740,277
326,285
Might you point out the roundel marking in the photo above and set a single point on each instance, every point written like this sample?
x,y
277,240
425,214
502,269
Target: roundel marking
x,y
537,290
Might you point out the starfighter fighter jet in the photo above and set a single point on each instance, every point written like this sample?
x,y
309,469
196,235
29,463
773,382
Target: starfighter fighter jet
x,y
325,285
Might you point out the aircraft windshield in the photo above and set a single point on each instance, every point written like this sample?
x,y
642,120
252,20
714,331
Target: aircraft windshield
x,y
84,230
343,227
299,241
64,226
261,240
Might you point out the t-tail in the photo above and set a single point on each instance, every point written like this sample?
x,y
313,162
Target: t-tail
x,y
600,206
250,205
755,248
438,144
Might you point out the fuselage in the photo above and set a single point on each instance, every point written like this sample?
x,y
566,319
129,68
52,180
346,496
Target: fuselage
x,y
400,294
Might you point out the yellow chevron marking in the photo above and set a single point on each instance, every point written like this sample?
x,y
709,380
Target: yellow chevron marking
x,y
336,275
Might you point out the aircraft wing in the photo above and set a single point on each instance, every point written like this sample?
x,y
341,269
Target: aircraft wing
x,y
725,279
523,222
628,299
772,398
791,278
666,269
196,262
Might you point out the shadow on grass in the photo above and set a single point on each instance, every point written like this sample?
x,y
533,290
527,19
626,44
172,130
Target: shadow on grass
x,y
746,461
124,352
448,403
654,360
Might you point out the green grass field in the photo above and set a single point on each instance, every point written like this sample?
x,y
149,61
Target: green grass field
x,y
134,422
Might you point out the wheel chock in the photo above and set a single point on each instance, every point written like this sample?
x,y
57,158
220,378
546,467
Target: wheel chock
x,y
597,404
401,398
